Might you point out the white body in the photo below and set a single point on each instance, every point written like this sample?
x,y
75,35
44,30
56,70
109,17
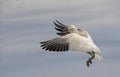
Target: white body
x,y
80,43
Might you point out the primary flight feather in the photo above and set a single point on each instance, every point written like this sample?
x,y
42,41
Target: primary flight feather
x,y
73,39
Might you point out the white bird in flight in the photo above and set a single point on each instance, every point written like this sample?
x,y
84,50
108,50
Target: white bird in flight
x,y
72,39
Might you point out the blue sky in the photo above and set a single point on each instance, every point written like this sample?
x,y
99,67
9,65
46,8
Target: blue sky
x,y
24,23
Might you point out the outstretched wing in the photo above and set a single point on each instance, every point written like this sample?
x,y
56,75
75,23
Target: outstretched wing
x,y
57,44
63,29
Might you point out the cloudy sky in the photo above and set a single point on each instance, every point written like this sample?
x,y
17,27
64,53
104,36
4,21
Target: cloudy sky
x,y
24,23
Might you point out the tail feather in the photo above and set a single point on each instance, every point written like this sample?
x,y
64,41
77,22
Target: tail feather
x,y
99,57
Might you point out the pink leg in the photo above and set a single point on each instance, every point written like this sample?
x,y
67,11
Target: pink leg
x,y
89,61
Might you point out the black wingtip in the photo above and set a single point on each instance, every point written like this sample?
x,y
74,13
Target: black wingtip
x,y
42,42
60,23
56,20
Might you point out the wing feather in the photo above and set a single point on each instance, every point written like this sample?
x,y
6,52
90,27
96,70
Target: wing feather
x,y
57,44
61,28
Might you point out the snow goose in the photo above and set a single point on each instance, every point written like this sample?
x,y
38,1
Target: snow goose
x,y
73,39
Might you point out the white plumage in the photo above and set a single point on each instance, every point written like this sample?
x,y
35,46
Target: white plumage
x,y
73,39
